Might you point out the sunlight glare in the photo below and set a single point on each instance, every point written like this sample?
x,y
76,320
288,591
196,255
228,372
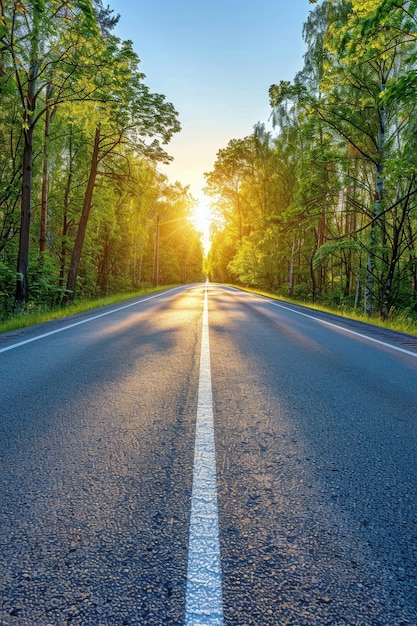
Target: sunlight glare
x,y
201,218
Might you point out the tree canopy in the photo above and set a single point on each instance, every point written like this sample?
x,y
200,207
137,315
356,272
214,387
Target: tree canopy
x,y
325,208
81,137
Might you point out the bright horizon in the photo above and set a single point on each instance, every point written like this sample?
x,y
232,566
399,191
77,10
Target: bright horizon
x,y
215,62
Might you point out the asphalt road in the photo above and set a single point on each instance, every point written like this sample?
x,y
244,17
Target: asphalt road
x,y
315,429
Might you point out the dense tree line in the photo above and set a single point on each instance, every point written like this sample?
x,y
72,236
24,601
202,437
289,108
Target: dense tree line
x,y
325,208
83,208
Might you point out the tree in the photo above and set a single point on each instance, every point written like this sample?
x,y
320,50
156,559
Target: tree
x,y
39,55
133,115
352,89
91,137
177,247
366,68
243,186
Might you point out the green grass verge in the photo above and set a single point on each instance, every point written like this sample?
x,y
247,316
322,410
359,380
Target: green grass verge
x,y
38,315
400,323
35,315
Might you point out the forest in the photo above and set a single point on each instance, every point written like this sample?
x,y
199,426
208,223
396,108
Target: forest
x,y
324,209
84,210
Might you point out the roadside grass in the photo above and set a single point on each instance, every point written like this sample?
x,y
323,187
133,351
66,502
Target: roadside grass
x,y
400,323
38,314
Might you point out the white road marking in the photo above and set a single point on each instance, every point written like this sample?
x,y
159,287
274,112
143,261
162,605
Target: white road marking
x,y
346,330
203,603
90,319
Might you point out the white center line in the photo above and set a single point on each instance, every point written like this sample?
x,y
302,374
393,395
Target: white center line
x,y
203,602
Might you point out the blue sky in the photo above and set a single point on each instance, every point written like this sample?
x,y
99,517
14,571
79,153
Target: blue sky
x,y
214,60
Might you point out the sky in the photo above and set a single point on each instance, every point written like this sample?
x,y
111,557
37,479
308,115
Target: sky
x,y
215,61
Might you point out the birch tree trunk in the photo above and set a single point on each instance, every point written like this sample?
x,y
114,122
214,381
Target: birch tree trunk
x,y
375,226
45,169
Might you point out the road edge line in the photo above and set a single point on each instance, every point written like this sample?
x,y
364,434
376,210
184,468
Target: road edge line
x,y
79,323
344,329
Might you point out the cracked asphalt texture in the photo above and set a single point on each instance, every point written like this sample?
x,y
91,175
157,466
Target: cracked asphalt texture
x,y
316,448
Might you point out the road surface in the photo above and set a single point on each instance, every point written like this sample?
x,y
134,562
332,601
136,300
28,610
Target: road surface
x,y
208,456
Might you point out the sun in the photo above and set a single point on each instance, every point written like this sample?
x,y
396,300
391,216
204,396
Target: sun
x,y
202,218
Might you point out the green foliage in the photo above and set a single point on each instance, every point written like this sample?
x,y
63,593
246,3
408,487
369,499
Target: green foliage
x,y
43,274
302,291
333,248
246,265
90,80
326,209
7,288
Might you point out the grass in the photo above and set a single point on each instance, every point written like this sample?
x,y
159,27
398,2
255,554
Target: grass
x,y
400,323
38,315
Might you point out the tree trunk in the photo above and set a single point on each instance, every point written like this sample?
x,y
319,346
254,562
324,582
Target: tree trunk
x,y
156,254
25,217
291,272
65,220
369,279
29,104
82,226
375,226
45,168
